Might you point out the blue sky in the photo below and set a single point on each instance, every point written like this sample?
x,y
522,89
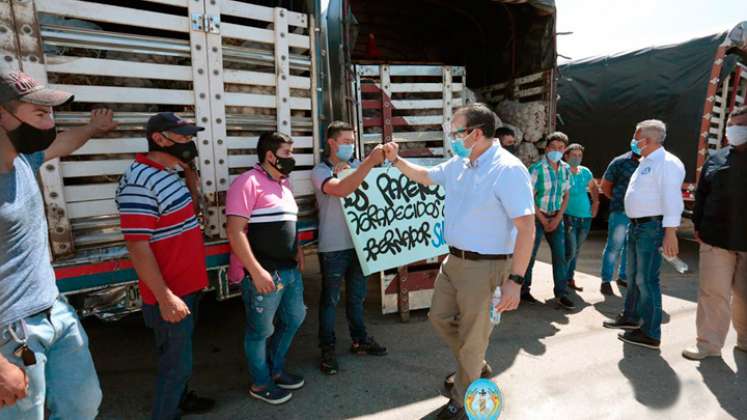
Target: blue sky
x,y
602,27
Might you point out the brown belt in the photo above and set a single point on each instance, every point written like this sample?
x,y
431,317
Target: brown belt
x,y
475,256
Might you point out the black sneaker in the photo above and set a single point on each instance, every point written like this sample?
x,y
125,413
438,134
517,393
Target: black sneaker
x,y
621,323
528,298
369,346
289,381
621,283
272,395
451,411
565,303
572,285
329,364
638,338
606,289
487,373
193,404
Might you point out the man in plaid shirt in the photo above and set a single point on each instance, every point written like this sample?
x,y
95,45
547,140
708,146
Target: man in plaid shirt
x,y
551,178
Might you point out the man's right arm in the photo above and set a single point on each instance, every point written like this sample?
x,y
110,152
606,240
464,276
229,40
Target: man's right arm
x,y
345,186
235,228
608,180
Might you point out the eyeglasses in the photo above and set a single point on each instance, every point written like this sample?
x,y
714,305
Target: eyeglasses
x,y
458,131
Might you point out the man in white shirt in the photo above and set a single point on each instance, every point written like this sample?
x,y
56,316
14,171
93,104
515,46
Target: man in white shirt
x,y
653,202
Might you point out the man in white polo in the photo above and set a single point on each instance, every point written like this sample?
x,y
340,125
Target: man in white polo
x,y
489,216
653,202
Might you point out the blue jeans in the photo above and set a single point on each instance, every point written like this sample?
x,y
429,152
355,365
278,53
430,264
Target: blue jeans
x,y
174,350
576,231
617,230
643,297
64,374
287,302
556,239
336,266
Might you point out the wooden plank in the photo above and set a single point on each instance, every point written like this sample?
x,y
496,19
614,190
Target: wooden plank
x,y
233,143
447,102
263,13
404,121
90,192
95,167
179,3
265,36
83,209
129,95
423,104
113,146
282,72
416,70
244,77
247,161
423,87
118,68
263,101
386,104
113,14
407,137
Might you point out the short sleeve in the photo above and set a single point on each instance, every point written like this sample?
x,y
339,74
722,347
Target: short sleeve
x,y
138,212
534,174
611,173
241,197
588,176
320,175
35,160
514,191
437,174
567,179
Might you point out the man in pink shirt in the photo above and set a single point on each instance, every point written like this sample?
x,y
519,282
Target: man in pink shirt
x,y
262,215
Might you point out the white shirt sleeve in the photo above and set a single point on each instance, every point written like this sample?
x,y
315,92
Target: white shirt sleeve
x,y
671,178
514,190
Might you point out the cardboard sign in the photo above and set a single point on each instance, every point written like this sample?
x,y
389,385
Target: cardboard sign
x,y
395,221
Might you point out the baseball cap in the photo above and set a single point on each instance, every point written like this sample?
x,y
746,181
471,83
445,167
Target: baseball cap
x,y
16,85
168,121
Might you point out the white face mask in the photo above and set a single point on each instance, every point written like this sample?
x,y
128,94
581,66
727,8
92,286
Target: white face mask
x,y
736,134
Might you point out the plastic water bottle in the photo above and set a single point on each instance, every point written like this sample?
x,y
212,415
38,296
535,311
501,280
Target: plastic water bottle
x,y
679,265
495,316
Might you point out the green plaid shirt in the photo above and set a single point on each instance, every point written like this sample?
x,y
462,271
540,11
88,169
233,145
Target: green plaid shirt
x,y
550,185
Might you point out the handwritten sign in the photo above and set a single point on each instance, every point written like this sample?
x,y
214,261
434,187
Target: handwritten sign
x,y
395,221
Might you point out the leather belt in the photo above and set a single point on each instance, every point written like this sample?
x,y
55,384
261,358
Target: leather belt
x,y
642,220
475,256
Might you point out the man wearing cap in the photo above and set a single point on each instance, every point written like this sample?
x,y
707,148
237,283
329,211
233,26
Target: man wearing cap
x,y
159,224
43,347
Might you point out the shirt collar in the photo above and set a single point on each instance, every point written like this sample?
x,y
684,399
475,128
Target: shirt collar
x,y
143,158
484,158
658,154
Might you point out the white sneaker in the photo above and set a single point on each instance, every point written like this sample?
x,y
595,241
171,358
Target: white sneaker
x,y
696,353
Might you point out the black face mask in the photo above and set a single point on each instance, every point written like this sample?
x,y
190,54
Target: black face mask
x,y
284,165
186,152
512,149
28,139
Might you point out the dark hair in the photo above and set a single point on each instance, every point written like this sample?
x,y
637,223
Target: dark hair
x,y
557,136
336,127
504,131
478,115
271,142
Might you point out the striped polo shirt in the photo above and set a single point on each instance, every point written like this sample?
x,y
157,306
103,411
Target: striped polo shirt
x,y
155,206
272,212
550,185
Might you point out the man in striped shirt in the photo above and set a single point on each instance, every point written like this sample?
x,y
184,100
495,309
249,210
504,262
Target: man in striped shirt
x,y
551,178
159,224
261,225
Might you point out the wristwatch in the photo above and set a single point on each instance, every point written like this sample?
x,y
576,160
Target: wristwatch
x,y
516,279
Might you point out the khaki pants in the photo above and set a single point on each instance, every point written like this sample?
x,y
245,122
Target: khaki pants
x,y
722,296
460,313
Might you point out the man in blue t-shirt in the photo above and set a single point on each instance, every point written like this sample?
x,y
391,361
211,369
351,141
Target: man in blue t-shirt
x,y
43,347
614,184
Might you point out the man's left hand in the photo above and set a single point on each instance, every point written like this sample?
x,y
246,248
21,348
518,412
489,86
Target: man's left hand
x,y
101,121
554,223
300,259
510,296
671,245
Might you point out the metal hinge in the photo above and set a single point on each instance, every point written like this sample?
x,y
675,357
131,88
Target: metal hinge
x,y
206,23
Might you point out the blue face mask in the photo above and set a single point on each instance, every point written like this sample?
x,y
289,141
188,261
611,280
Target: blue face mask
x,y
554,156
634,147
460,149
345,152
